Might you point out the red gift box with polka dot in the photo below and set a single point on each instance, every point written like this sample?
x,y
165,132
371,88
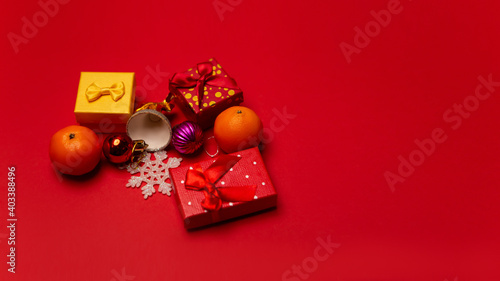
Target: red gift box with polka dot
x,y
249,170
205,108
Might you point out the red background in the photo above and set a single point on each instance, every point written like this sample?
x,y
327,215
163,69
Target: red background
x,y
352,122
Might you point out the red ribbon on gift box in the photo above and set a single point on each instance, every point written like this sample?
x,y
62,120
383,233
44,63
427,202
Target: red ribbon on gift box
x,y
202,78
199,180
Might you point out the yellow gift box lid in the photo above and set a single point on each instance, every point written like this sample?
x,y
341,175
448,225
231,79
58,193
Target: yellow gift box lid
x,y
105,98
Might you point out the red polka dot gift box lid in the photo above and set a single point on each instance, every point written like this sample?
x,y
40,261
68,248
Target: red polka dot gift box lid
x,y
204,91
226,187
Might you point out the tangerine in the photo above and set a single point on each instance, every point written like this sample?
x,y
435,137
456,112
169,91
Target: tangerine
x,y
75,150
237,128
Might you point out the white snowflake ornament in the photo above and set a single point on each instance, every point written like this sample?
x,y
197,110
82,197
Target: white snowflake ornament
x,y
152,172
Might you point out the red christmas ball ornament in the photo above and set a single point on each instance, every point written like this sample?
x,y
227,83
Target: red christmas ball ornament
x,y
120,148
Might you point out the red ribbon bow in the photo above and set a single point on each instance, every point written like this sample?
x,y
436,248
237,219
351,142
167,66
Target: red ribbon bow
x,y
198,180
202,78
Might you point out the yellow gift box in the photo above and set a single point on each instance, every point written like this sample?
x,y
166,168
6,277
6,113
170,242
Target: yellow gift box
x,y
105,100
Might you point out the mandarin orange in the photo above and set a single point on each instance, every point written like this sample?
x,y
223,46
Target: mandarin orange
x,y
237,128
75,150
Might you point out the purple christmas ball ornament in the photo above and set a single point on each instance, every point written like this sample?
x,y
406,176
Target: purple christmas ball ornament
x,y
187,137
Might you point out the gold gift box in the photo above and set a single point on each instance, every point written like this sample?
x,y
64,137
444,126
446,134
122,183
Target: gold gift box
x,y
105,100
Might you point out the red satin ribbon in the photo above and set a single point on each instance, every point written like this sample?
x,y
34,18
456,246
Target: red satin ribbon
x,y
202,78
198,180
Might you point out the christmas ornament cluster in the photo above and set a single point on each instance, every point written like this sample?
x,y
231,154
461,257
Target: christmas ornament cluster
x,y
231,182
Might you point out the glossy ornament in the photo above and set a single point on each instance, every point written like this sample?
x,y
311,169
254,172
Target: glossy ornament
x,y
152,126
187,137
120,148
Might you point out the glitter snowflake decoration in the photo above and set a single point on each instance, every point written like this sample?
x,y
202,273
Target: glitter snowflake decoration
x,y
153,173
